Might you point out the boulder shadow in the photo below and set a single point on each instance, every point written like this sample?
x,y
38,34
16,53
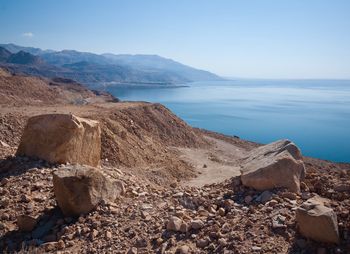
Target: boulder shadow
x,y
18,165
47,229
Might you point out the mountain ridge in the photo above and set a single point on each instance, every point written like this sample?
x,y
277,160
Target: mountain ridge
x,y
109,68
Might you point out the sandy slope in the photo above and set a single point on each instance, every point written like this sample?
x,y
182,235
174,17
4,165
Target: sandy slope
x,y
215,163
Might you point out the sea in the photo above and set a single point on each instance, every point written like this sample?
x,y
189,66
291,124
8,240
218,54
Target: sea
x,y
314,114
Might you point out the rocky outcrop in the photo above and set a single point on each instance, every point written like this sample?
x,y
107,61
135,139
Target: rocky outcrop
x,y
62,138
318,222
275,165
79,189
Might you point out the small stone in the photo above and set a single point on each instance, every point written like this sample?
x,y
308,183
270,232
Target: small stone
x,y
173,185
25,198
222,211
197,224
141,243
93,234
289,195
178,195
184,249
265,196
174,224
272,203
202,243
211,210
278,221
4,202
108,235
256,248
61,245
50,246
222,242
132,250
5,216
2,226
184,227
4,181
144,214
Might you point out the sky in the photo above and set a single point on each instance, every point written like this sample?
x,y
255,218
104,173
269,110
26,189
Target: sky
x,y
233,38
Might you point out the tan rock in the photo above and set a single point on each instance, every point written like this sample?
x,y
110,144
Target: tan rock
x,y
278,164
79,189
3,145
132,250
26,223
174,224
184,249
197,224
184,228
222,211
289,195
317,221
62,138
202,243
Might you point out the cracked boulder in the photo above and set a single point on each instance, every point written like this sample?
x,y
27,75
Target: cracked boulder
x,y
317,222
276,165
62,138
79,189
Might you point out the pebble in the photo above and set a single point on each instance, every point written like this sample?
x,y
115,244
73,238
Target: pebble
x,y
174,224
197,224
256,248
132,250
61,245
108,235
184,249
202,243
222,211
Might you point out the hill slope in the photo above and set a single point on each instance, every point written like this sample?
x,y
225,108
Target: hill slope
x,y
147,147
17,90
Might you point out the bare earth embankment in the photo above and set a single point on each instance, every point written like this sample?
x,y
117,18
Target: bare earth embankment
x,y
168,169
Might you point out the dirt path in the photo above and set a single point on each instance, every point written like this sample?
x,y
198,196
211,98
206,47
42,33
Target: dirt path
x,y
215,164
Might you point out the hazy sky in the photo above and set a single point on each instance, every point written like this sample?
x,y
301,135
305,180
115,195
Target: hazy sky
x,y
243,38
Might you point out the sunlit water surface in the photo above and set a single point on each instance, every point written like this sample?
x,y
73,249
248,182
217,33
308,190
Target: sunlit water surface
x,y
315,114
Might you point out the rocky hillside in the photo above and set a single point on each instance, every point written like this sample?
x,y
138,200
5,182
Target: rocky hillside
x,y
19,90
142,199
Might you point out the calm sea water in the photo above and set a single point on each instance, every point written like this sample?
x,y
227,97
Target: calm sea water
x,y
315,114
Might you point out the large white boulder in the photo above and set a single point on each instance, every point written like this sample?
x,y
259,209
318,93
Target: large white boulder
x,y
275,165
62,138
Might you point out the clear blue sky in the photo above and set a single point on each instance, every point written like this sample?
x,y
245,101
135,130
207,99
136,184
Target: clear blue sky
x,y
243,38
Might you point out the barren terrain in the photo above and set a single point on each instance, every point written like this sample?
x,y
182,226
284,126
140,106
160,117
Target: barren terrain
x,y
168,169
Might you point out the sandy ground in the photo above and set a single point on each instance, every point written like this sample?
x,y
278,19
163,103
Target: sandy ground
x,y
214,164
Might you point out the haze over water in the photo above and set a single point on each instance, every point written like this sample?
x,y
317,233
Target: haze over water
x,y
315,114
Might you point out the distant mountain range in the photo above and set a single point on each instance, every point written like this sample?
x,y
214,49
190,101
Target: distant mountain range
x,y
93,69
